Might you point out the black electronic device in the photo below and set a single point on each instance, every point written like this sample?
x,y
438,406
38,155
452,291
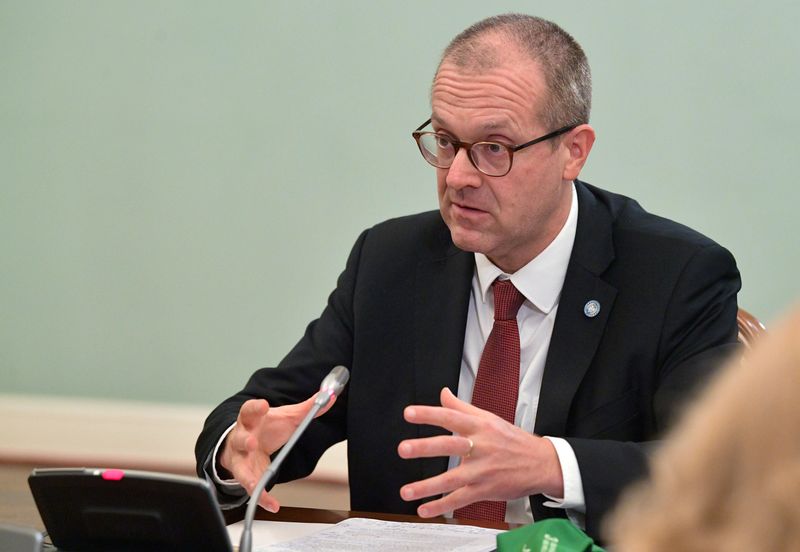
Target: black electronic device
x,y
93,509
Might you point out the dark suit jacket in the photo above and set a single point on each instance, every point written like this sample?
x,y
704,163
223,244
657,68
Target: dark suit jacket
x,y
611,382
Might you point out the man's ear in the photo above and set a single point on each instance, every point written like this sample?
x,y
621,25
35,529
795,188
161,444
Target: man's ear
x,y
579,143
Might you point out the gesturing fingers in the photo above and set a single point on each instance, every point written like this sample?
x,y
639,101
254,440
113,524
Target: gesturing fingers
x,y
248,478
449,400
259,431
453,484
301,409
454,415
251,412
268,502
451,420
446,482
441,445
448,503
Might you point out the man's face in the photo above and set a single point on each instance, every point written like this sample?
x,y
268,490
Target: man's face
x,y
512,218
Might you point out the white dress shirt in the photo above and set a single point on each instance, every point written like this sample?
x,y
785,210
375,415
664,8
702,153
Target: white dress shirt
x,y
540,281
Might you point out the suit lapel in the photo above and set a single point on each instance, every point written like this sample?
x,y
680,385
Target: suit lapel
x,y
576,334
440,313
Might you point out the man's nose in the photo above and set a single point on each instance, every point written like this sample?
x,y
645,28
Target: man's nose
x,y
462,173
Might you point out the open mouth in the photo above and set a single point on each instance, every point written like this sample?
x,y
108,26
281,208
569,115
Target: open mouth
x,y
462,211
468,208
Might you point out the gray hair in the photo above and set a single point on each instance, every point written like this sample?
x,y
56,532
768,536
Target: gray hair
x,y
562,61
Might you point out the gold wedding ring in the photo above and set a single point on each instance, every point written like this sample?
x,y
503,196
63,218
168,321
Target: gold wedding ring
x,y
471,446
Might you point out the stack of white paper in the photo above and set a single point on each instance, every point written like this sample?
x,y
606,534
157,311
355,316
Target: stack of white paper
x,y
359,534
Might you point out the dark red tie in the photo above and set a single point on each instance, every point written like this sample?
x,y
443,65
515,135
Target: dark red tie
x,y
497,383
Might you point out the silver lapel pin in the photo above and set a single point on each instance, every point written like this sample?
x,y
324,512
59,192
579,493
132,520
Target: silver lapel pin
x,y
591,308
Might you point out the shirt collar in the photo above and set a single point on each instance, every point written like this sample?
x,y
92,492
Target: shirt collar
x,y
541,280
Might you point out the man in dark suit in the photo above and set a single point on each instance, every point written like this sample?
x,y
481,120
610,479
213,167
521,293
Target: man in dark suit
x,y
621,315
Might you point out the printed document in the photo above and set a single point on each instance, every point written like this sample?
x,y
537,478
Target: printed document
x,y
360,534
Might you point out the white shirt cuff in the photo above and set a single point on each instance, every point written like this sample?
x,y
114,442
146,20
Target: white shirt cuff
x,y
571,473
225,483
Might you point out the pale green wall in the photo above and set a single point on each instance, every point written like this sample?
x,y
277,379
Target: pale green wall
x,y
180,181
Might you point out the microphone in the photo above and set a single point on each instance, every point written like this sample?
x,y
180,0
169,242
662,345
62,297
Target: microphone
x,y
330,387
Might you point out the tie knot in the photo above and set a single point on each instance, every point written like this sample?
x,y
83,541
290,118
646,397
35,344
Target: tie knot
x,y
507,300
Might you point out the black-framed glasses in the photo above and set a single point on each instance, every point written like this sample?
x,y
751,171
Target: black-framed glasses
x,y
491,158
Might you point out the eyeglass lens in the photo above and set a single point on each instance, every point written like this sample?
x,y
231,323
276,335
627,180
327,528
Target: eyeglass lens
x,y
490,158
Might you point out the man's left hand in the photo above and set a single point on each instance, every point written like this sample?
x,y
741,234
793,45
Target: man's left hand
x,y
499,461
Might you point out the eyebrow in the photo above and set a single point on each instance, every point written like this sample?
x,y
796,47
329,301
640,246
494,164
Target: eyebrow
x,y
485,127
436,120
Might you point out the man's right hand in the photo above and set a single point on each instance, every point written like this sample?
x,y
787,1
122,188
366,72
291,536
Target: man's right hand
x,y
258,433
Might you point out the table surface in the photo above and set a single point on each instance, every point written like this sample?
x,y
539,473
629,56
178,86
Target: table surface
x,y
16,503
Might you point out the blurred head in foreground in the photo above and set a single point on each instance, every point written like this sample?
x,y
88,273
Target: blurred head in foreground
x,y
728,478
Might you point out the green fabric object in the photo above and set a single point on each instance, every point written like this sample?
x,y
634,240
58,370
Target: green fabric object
x,y
549,535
